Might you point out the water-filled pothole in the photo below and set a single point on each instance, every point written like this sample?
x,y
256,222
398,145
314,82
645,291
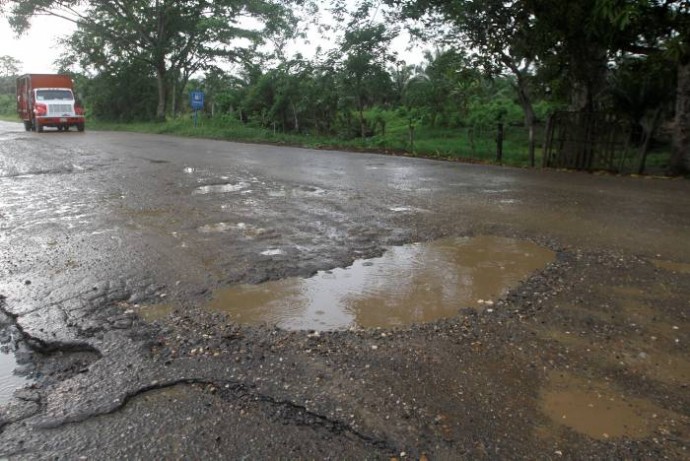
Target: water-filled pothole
x,y
9,379
153,312
409,284
671,266
598,410
220,188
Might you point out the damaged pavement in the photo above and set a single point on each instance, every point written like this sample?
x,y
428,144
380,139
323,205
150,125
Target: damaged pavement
x,y
114,244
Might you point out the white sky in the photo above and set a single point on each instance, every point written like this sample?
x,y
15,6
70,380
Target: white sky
x,y
37,48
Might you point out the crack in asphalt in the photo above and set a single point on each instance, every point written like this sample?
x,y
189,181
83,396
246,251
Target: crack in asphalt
x,y
241,390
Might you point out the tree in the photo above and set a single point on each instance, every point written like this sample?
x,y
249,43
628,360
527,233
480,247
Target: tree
x,y
498,33
363,69
9,69
9,66
171,37
659,29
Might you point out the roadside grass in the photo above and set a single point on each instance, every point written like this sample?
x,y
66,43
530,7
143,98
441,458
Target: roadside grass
x,y
475,144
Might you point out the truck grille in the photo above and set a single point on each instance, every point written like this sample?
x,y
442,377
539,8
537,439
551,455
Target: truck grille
x,y
60,109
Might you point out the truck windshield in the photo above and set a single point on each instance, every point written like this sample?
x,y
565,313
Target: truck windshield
x,y
50,95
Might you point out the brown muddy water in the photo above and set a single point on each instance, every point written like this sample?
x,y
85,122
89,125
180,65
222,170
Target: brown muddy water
x,y
671,266
597,409
409,284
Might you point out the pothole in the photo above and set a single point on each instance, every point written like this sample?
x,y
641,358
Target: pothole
x,y
671,266
153,312
409,284
221,188
600,411
10,380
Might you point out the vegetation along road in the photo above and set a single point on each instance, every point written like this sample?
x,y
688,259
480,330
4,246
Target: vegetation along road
x,y
173,297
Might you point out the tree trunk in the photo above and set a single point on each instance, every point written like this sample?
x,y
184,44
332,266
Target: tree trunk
x,y
649,129
525,102
174,99
160,82
589,77
680,155
294,115
362,129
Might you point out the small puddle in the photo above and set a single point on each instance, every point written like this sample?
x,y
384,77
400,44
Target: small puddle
x,y
9,380
671,266
597,410
220,188
153,312
409,284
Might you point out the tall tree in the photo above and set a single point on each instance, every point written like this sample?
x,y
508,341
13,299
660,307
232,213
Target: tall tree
x,y
172,37
498,33
9,66
363,69
659,29
9,69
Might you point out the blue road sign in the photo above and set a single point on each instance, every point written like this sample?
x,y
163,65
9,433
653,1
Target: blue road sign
x,y
196,100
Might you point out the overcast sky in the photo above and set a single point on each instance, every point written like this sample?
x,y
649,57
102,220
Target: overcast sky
x,y
37,48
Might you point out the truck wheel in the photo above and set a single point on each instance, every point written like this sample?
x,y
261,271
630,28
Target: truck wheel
x,y
80,127
27,126
39,128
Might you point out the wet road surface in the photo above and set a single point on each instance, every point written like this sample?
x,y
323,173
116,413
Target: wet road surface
x,y
113,244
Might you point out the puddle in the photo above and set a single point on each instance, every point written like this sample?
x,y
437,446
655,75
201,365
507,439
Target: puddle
x,y
671,266
220,188
296,192
596,409
153,312
246,230
9,381
216,228
408,284
273,252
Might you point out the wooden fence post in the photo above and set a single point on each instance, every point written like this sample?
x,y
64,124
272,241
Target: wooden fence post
x,y
499,143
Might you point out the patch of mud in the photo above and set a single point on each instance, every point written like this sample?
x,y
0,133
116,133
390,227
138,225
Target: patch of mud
x,y
409,284
598,410
671,266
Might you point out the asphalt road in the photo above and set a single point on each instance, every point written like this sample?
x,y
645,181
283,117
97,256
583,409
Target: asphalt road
x,y
94,225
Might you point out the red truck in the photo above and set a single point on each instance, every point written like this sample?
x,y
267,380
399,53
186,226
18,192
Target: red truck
x,y
48,100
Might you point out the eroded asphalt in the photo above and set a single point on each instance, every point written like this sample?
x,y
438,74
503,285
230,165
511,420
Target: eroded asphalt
x,y
96,226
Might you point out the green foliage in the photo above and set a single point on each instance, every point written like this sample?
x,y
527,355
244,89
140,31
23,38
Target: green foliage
x,y
9,66
8,104
128,94
472,143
